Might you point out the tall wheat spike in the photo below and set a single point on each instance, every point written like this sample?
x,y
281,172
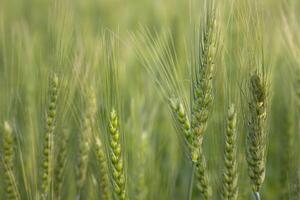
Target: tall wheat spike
x,y
203,69
85,143
230,174
116,157
48,140
256,137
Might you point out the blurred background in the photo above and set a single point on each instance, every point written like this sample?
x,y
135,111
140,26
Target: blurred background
x,y
40,37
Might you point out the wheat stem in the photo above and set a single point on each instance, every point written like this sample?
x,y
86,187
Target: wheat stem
x,y
257,195
191,184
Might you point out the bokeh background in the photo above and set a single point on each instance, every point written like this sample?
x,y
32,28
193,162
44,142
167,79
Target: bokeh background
x,y
70,38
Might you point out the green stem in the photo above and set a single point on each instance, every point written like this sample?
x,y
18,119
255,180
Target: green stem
x,y
190,193
257,196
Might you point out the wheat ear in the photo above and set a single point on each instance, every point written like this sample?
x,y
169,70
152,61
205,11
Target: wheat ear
x,y
230,174
202,94
84,143
48,140
116,158
11,188
256,137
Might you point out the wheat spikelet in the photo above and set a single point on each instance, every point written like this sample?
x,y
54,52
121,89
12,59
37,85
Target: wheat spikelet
x,y
48,140
256,137
11,188
116,158
230,174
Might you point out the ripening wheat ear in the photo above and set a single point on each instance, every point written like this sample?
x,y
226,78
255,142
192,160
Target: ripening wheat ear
x,y
116,158
84,146
230,174
11,188
162,62
203,63
203,69
196,156
103,168
256,137
48,140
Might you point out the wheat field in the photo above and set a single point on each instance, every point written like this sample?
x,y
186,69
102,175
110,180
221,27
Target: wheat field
x,y
149,100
